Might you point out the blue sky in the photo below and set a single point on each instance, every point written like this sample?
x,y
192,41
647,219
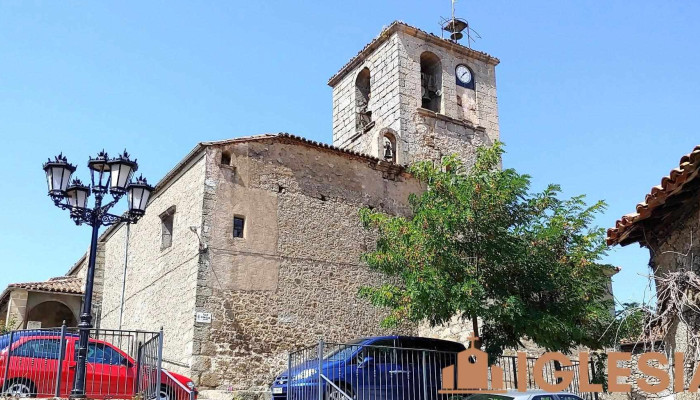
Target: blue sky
x,y
600,97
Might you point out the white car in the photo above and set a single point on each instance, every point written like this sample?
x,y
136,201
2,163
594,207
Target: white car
x,y
527,395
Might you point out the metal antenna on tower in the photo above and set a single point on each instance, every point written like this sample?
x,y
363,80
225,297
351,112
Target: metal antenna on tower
x,y
456,27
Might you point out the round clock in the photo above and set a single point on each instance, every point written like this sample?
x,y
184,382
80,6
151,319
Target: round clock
x,y
463,73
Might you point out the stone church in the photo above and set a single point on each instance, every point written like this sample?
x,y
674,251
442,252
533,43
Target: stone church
x,y
259,236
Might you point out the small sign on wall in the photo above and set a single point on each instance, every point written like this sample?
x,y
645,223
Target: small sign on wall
x,y
202,317
33,324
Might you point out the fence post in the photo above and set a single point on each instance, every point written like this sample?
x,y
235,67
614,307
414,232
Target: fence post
x,y
61,357
139,368
320,367
593,377
515,371
7,362
159,363
425,376
289,375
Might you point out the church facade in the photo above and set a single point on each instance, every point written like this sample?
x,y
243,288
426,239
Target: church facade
x,y
251,246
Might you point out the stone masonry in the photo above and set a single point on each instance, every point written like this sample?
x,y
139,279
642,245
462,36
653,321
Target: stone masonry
x,y
160,283
294,277
468,118
670,250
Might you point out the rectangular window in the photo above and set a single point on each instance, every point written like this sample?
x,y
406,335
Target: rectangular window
x,y
47,349
167,220
238,226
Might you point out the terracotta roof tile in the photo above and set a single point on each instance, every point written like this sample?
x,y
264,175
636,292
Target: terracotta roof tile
x,y
62,284
625,230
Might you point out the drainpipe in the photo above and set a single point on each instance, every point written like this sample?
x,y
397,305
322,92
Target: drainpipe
x,y
126,263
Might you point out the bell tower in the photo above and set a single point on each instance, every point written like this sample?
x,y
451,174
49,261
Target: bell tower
x,y
410,95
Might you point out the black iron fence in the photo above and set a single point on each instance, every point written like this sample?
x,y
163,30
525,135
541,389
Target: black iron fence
x,y
121,364
333,371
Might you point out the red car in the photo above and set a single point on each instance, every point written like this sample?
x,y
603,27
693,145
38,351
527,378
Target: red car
x,y
111,373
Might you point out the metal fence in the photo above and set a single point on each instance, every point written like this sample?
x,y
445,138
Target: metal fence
x,y
121,364
367,372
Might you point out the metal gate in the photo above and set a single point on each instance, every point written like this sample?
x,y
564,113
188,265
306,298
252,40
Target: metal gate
x,y
337,371
121,364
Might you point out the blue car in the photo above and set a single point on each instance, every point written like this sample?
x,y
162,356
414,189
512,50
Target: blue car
x,y
375,368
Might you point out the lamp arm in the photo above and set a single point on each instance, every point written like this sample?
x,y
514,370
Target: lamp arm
x,y
81,215
105,208
111,219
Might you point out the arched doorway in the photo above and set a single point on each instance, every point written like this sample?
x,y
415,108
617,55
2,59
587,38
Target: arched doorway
x,y
51,314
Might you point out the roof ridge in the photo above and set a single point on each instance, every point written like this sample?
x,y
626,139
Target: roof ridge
x,y
302,140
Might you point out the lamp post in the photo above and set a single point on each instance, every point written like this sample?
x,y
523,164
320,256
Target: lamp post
x,y
113,176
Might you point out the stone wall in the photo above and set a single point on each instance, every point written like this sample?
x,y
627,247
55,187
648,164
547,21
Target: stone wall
x,y
16,308
294,277
673,247
468,118
460,129
160,283
383,65
80,270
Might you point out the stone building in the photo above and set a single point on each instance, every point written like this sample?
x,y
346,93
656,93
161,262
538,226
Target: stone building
x,y
251,246
42,304
667,223
402,92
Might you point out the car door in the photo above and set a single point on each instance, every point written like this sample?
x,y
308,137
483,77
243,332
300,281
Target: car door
x,y
409,362
34,365
424,358
121,371
379,371
107,372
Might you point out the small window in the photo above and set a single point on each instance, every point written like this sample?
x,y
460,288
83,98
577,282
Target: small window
x,y
167,221
238,227
225,158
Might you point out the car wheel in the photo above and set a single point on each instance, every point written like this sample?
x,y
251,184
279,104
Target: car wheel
x,y
19,388
166,393
335,394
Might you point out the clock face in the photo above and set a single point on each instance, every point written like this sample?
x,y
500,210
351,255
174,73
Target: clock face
x,y
463,73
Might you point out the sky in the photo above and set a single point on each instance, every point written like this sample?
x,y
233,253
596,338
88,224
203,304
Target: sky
x,y
599,97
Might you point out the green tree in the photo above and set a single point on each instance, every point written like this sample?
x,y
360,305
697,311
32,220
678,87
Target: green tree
x,y
480,246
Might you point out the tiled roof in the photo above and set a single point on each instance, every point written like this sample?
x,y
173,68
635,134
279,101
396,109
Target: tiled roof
x,y
62,284
680,181
393,27
309,142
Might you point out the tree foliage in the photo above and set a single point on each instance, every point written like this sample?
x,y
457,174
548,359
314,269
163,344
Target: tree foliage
x,y
478,244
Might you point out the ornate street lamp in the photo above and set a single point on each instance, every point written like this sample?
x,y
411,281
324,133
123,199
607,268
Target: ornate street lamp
x,y
107,175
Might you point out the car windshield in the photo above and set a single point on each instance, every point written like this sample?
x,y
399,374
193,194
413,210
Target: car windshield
x,y
344,351
484,396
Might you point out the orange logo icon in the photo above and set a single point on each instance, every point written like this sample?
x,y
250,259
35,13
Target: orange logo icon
x,y
472,373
